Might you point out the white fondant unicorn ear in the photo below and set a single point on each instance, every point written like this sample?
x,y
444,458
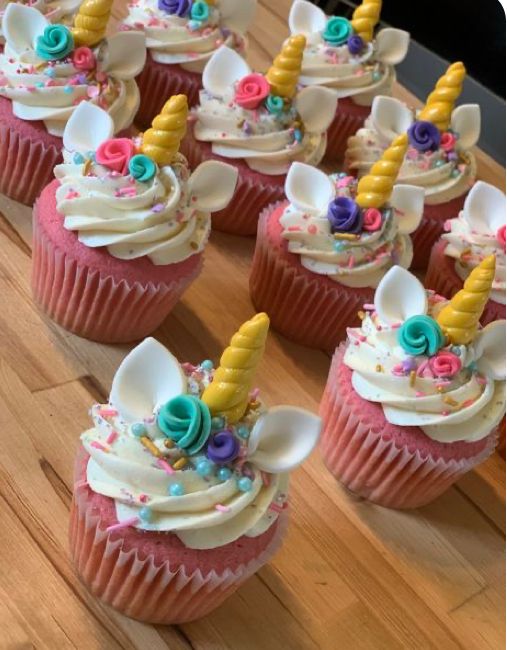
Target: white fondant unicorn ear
x,y
399,296
224,68
392,45
316,106
484,208
21,25
87,128
308,189
125,54
212,185
147,378
466,122
390,117
237,16
305,18
490,350
408,204
283,438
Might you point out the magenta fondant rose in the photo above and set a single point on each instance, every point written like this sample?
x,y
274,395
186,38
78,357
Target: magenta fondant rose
x,y
116,154
447,141
500,236
83,59
445,364
372,219
251,91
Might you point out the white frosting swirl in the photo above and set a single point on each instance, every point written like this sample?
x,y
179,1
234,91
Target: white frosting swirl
x,y
56,11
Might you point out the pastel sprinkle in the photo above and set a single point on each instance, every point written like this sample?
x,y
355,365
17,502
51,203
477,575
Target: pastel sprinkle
x,y
369,307
163,464
108,413
222,508
112,437
132,521
98,445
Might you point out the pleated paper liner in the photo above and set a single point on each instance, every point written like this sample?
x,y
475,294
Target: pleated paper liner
x,y
147,575
254,190
160,81
395,467
348,119
95,305
305,307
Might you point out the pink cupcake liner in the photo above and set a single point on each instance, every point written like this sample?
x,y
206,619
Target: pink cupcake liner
x,y
160,81
348,119
153,577
305,307
395,467
95,304
28,154
431,229
254,190
442,278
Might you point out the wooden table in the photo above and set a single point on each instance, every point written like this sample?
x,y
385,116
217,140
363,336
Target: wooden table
x,y
351,575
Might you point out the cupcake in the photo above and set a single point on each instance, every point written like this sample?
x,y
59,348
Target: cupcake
x,y
349,58
414,399
319,256
259,123
439,157
477,233
46,71
180,490
119,235
181,36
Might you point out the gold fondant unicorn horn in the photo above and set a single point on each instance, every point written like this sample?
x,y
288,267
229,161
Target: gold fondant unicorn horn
x,y
228,394
374,190
441,101
90,23
365,18
283,75
162,142
459,319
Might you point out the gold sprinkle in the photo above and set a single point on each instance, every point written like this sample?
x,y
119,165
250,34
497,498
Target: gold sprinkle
x,y
169,443
86,167
379,368
450,401
412,378
180,463
361,315
194,245
146,442
346,235
440,389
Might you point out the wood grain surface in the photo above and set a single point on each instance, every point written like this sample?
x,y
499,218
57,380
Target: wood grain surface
x,y
350,575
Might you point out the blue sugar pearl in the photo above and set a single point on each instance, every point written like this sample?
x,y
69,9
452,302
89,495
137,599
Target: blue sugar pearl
x,y
176,490
39,84
439,163
50,72
91,155
342,175
298,136
455,173
139,430
78,159
204,467
68,90
338,246
377,76
145,514
224,473
244,484
456,350
243,432
207,365
217,423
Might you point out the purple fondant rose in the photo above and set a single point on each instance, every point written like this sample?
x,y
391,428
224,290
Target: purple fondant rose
x,y
344,215
424,136
355,44
223,448
177,7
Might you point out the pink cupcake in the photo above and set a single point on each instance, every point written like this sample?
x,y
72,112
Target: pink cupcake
x,y
319,256
46,71
119,235
414,399
478,232
439,157
180,491
260,124
348,58
181,36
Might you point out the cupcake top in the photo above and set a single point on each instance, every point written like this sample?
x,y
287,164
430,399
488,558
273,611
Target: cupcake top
x,y
136,196
56,11
346,55
187,32
427,361
348,231
263,119
477,233
441,136
48,70
193,450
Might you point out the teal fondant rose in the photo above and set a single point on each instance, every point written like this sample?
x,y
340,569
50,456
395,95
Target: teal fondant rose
x,y
186,420
337,31
55,43
275,104
199,11
421,335
142,168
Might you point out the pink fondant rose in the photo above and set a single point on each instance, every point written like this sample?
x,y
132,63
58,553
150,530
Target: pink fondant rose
x,y
447,141
83,59
500,236
116,154
372,219
251,91
445,364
